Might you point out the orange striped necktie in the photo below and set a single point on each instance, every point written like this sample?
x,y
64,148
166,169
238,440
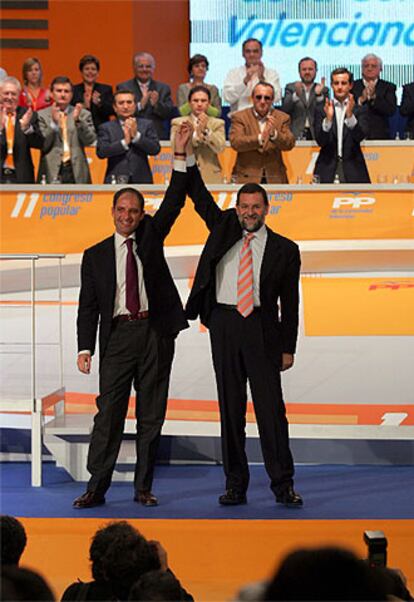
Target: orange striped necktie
x,y
64,128
9,162
245,278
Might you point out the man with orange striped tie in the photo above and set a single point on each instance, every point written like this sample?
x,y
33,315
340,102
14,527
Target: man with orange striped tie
x,y
66,131
246,293
19,131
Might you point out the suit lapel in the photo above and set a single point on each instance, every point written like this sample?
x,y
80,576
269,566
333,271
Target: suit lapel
x,y
271,257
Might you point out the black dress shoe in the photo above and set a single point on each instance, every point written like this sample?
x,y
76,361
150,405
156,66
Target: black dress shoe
x,y
88,500
146,498
289,498
232,497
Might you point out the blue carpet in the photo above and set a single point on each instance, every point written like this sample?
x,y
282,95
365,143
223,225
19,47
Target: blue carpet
x,y
330,492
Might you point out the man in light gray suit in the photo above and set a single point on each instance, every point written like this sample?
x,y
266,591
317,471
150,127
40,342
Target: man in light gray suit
x,y
302,98
66,131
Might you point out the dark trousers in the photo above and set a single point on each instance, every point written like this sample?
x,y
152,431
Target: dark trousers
x,y
239,354
136,355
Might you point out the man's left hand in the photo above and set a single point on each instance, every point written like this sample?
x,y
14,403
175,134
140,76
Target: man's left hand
x,y
25,120
153,97
76,111
350,106
287,361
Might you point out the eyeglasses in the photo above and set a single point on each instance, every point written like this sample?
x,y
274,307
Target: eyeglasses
x,y
139,66
262,97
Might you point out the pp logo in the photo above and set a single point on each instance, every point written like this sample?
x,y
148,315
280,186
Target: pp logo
x,y
355,202
27,207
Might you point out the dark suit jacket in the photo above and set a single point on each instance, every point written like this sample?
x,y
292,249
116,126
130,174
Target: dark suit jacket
x,y
407,107
302,109
98,276
132,162
354,165
380,109
160,111
21,148
100,113
279,273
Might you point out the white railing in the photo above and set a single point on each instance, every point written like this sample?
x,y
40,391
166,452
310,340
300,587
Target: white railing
x,y
34,404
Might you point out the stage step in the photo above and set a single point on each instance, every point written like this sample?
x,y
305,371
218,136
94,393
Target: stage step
x,y
67,439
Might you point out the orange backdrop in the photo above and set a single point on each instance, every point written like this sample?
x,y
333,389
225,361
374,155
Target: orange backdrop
x,y
112,30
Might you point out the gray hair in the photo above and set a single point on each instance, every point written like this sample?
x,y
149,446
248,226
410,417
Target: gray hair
x,y
372,56
145,55
9,79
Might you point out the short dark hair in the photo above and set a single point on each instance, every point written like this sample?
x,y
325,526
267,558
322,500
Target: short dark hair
x,y
308,58
252,40
325,574
89,58
199,88
343,71
129,190
252,188
13,539
123,91
156,585
120,555
195,60
24,584
61,79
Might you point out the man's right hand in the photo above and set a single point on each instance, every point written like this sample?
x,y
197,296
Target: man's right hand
x,y
56,113
329,109
183,136
84,362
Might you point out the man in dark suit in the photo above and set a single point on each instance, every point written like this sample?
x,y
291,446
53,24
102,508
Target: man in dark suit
x,y
407,108
19,132
94,96
127,287
301,99
250,338
127,142
153,98
377,95
340,126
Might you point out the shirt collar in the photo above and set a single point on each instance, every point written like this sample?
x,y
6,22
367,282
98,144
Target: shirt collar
x,y
119,239
260,234
259,117
371,81
338,103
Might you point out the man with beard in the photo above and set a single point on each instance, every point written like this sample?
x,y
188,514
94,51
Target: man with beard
x,y
302,97
246,293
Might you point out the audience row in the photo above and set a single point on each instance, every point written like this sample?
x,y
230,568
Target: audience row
x,y
127,126
126,566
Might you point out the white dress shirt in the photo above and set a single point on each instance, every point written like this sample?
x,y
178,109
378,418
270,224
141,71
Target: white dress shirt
x,y
121,251
239,95
350,122
227,269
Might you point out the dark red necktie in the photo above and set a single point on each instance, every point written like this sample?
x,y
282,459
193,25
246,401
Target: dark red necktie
x,y
132,296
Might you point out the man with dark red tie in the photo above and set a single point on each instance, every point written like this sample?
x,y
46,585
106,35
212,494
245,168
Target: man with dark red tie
x,y
19,132
126,285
